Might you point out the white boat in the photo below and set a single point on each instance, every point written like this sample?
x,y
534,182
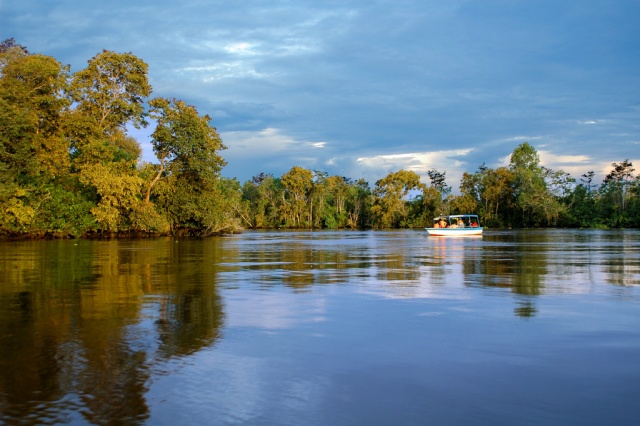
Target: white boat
x,y
456,225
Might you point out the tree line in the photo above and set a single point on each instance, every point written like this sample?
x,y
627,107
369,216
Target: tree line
x,y
523,194
68,167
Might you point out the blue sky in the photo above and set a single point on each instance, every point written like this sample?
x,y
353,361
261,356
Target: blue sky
x,y
362,88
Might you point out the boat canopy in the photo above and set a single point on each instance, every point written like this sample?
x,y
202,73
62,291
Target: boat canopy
x,y
468,219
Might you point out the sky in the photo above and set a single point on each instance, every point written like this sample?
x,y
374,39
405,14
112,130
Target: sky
x,y
362,88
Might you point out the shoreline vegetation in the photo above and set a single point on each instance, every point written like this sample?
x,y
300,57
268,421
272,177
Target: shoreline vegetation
x,y
69,169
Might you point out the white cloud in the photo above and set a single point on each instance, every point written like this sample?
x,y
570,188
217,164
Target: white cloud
x,y
575,165
416,161
266,141
547,157
240,48
453,162
223,70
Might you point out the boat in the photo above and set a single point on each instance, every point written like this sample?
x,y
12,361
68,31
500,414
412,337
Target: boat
x,y
455,225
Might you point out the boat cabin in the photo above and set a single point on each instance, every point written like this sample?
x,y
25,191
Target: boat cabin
x,y
457,221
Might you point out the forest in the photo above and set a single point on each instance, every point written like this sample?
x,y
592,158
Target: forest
x,y
69,168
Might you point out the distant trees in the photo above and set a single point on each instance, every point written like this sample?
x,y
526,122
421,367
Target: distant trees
x,y
619,194
527,194
302,198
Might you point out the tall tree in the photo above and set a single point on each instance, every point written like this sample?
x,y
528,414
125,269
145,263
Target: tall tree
x,y
358,204
615,195
390,197
530,187
264,193
298,183
319,200
338,188
187,147
31,106
109,95
10,50
492,192
439,182
587,181
618,181
33,151
112,90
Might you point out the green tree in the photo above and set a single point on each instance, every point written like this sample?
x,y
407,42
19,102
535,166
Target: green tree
x,y
264,194
358,204
109,95
9,50
31,104
615,194
298,183
532,198
320,210
582,208
497,195
33,150
618,182
187,178
118,189
438,182
112,90
338,189
390,197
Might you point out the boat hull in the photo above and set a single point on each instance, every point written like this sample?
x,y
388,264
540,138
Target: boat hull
x,y
454,232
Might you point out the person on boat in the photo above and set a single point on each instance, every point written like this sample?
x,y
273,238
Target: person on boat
x,y
443,224
436,225
474,224
460,223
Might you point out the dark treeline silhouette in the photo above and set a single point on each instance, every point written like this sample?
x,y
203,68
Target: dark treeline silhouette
x,y
69,168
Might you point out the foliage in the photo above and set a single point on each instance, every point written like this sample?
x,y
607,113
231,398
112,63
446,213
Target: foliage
x,y
189,172
389,208
111,90
298,208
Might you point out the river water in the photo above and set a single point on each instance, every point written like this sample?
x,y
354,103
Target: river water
x,y
323,328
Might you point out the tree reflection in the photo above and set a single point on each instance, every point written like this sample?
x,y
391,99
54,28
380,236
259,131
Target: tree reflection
x,y
27,357
518,262
188,322
300,265
525,309
71,323
622,271
113,383
190,314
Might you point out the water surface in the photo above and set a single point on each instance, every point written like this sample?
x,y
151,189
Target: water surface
x,y
318,328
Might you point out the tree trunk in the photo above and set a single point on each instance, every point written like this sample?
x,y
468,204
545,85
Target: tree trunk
x,y
154,181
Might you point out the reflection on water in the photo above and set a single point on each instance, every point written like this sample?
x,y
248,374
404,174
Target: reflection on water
x,y
287,327
80,321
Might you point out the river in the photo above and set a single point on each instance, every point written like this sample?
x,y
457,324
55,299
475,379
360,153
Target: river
x,y
323,328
